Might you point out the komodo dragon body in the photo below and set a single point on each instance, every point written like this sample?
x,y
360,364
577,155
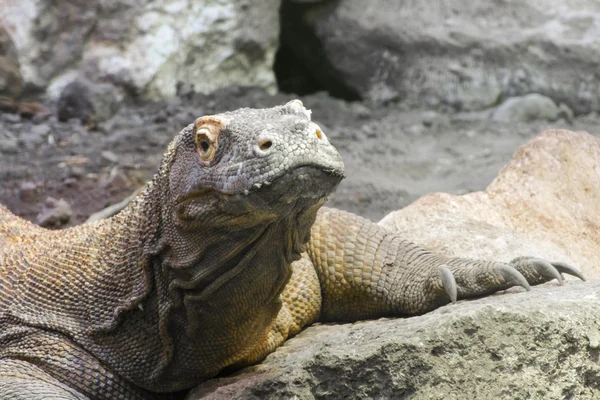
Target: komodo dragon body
x,y
224,255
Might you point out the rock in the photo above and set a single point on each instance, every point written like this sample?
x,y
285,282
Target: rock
x,y
149,49
458,56
11,118
11,81
530,345
527,108
24,109
35,136
566,112
41,130
54,213
89,102
430,117
110,156
9,145
76,171
32,109
544,203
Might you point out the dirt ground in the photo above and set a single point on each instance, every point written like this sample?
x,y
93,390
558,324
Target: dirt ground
x,y
392,155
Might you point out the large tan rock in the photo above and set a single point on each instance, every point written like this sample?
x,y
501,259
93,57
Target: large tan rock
x,y
542,344
545,202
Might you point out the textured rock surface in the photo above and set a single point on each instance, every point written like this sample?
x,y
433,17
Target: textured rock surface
x,y
154,49
545,202
466,55
544,344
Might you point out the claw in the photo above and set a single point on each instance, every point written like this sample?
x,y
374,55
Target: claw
x,y
564,268
449,283
513,276
547,269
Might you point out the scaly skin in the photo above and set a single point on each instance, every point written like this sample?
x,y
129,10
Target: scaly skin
x,y
224,255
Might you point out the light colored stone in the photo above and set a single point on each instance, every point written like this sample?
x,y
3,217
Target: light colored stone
x,y
527,108
153,49
545,203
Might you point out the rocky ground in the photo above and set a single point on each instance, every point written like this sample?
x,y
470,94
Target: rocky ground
x,y
392,155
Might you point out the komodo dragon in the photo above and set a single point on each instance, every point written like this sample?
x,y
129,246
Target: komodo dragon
x,y
225,254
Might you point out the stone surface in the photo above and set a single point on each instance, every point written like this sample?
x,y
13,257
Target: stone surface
x,y
462,55
151,49
28,191
542,344
527,108
545,203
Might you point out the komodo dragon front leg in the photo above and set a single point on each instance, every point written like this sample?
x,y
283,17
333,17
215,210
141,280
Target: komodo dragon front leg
x,y
354,270
365,271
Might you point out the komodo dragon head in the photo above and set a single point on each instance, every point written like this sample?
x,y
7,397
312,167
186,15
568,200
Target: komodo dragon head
x,y
251,166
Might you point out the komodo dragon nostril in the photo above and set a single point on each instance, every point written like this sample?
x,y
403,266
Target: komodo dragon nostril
x,y
265,144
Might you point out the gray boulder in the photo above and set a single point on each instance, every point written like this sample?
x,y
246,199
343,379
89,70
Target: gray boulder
x,y
463,55
153,49
542,344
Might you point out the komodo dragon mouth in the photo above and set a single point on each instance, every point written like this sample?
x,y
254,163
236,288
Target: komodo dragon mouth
x,y
304,181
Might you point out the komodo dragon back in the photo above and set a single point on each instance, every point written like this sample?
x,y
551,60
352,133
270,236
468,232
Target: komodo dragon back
x,y
222,256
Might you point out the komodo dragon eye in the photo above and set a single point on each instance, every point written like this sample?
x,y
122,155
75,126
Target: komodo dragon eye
x,y
205,142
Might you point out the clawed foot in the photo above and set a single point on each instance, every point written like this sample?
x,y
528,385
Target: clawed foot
x,y
537,270
465,278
